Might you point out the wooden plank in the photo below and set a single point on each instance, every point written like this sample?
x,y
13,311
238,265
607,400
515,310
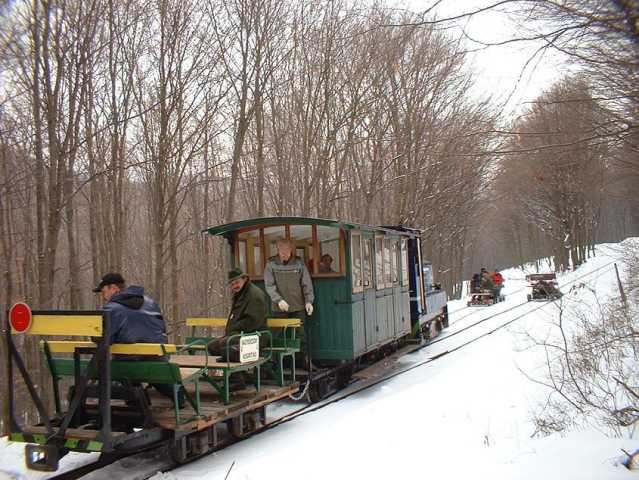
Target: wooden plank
x,y
79,433
67,325
216,412
189,372
202,361
155,349
283,322
206,322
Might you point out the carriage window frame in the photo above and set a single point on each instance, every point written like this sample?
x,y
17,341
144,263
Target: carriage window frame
x,y
379,262
342,254
314,272
403,247
357,270
395,253
368,277
388,263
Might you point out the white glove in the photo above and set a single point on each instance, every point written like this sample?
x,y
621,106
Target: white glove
x,y
283,305
309,309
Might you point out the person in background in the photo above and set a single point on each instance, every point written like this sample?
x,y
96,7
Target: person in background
x,y
288,283
486,282
498,283
135,318
325,265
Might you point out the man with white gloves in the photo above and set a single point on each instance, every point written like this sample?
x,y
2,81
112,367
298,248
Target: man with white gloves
x,y
289,284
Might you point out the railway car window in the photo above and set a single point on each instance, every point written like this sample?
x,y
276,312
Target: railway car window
x,y
395,261
356,261
404,255
330,250
367,262
271,235
379,262
388,279
241,253
249,255
302,238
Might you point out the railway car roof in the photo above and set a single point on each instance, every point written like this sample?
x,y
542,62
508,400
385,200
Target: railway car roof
x,y
229,228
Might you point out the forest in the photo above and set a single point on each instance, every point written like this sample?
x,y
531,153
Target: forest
x,y
127,127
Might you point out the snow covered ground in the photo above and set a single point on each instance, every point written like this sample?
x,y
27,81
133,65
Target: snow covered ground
x,y
466,415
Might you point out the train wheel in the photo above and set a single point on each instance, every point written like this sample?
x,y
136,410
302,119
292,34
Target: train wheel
x,y
179,450
344,377
242,425
317,390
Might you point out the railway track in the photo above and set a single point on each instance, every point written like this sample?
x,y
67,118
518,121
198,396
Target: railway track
x,y
154,460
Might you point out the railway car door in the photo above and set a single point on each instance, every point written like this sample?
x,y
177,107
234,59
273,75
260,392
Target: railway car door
x,y
403,296
370,310
388,292
417,305
358,303
381,295
399,324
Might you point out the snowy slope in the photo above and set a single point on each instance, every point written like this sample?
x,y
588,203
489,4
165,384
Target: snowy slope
x,y
465,415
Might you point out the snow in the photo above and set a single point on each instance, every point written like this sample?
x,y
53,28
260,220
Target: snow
x,y
466,415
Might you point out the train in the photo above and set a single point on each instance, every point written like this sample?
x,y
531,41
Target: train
x,y
377,296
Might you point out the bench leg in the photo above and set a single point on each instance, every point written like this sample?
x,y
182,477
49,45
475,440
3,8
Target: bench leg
x,y
293,370
281,372
227,379
197,397
176,406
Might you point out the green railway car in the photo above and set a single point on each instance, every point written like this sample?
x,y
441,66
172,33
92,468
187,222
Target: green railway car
x,y
374,294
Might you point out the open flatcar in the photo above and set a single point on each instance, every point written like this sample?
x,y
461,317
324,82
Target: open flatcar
x,y
544,287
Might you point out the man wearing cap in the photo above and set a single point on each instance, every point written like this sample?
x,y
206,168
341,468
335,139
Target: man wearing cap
x,y
248,312
135,318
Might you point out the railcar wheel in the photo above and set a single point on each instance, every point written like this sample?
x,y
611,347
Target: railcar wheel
x,y
344,377
179,450
317,390
242,425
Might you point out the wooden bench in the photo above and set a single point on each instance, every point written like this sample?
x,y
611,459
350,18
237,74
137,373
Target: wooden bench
x,y
284,342
155,370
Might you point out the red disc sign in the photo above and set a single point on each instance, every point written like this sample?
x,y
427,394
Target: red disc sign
x,y
20,317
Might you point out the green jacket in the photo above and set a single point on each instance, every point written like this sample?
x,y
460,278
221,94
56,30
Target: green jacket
x,y
248,312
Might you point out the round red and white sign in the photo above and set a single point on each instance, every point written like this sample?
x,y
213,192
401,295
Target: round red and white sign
x,y
20,317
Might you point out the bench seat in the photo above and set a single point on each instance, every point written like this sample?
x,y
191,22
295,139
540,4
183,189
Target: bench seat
x,y
284,343
154,370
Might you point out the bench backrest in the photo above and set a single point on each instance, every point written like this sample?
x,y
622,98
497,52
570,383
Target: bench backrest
x,y
282,329
69,346
133,371
71,324
220,322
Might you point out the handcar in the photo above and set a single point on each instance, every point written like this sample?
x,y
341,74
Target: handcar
x,y
544,287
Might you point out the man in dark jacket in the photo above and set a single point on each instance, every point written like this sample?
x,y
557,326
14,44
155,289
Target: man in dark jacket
x,y
248,312
135,318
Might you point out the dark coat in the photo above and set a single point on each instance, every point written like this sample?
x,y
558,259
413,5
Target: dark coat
x,y
135,318
248,312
